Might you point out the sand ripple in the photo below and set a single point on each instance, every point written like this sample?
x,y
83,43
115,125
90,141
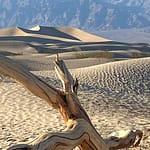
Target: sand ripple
x,y
115,95
126,83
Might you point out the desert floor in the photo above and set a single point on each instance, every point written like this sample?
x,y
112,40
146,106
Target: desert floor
x,y
114,92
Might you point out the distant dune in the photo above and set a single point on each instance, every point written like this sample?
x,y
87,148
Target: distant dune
x,y
54,40
62,32
114,80
74,33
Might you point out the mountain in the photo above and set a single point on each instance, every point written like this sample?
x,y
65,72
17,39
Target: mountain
x,y
90,15
140,35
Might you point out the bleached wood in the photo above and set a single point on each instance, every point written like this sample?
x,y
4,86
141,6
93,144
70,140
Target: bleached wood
x,y
124,139
64,75
80,131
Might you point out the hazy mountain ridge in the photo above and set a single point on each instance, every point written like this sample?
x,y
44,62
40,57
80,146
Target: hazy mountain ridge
x,y
140,35
90,15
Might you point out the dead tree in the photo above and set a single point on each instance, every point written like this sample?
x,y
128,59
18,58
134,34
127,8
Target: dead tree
x,y
79,131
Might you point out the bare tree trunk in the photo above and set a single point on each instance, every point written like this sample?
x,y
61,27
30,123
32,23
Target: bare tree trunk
x,y
80,131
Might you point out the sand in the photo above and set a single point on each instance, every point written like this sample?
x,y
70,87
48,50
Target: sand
x,y
115,94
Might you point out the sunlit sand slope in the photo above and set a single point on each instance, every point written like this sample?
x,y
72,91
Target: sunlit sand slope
x,y
125,82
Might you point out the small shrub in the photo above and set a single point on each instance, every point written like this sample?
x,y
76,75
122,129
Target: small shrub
x,y
102,54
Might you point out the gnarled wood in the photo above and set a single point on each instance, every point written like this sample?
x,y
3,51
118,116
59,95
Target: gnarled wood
x,y
72,108
124,139
80,131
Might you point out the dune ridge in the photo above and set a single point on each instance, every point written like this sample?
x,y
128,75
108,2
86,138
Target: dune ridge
x,y
71,31
61,32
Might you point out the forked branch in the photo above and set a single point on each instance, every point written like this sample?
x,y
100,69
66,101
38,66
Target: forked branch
x,y
69,84
79,132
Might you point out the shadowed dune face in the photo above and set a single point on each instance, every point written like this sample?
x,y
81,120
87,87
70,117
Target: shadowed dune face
x,y
68,32
50,31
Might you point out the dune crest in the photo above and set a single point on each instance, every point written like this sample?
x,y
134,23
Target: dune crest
x,y
82,35
74,32
69,33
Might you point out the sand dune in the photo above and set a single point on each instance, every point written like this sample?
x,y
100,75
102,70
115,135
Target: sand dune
x,y
61,32
54,40
123,81
116,94
45,40
71,32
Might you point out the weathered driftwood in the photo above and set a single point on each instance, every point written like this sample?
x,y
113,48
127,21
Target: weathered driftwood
x,y
80,131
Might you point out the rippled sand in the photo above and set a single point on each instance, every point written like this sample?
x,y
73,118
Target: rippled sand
x,y
116,96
